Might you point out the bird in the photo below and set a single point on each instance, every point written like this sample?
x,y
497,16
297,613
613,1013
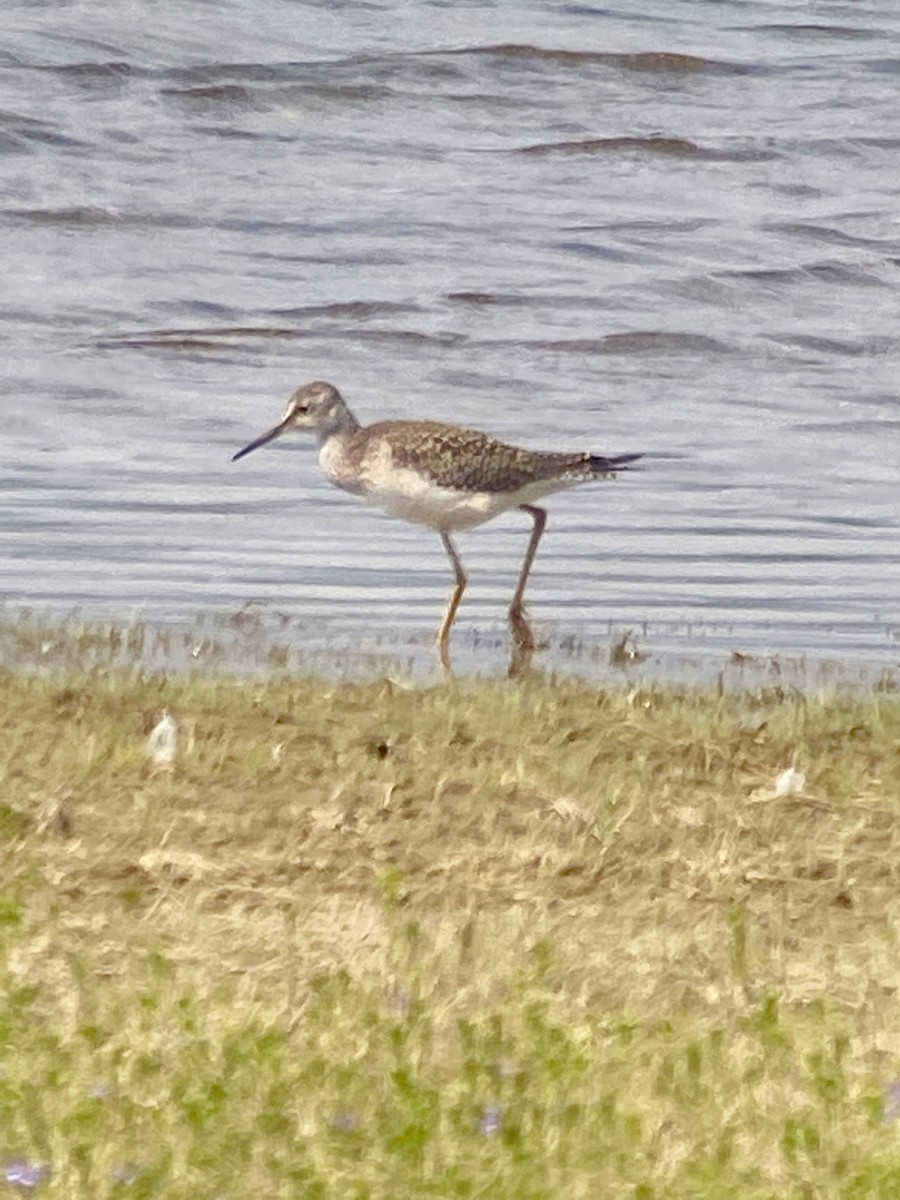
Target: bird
x,y
444,476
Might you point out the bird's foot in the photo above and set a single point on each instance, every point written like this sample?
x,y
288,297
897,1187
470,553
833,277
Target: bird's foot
x,y
524,636
519,660
525,642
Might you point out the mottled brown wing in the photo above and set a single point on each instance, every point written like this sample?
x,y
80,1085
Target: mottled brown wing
x,y
470,460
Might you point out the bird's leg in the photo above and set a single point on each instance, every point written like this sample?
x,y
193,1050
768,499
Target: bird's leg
x,y
443,637
522,632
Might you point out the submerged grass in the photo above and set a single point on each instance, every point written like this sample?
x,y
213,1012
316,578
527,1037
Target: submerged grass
x,y
477,939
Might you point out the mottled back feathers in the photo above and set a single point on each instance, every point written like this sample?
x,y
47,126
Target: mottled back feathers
x,y
469,460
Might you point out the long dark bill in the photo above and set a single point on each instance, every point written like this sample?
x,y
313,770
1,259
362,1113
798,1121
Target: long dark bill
x,y
260,441
610,463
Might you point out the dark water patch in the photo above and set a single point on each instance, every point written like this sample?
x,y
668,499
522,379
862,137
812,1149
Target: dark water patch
x,y
841,32
545,301
662,61
795,191
831,272
86,215
19,132
485,100
257,96
341,92
52,138
168,343
90,217
431,67
636,342
855,522
475,297
753,531
883,66
230,134
357,224
98,218
864,347
362,76
705,289
10,144
688,225
341,79
442,338
746,561
876,399
666,61
89,71
92,401
219,74
16,316
812,232
593,250
199,308
767,276
356,310
876,143
338,258
20,122
823,272
194,339
214,93
655,144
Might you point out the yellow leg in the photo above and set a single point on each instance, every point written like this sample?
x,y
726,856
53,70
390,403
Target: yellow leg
x,y
443,637
523,634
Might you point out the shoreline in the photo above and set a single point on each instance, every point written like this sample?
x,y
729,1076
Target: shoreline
x,y
258,641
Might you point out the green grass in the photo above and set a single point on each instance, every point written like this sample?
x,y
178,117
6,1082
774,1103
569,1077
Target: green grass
x,y
480,939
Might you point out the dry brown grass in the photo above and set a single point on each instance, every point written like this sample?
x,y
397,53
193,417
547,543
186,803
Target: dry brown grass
x,y
479,938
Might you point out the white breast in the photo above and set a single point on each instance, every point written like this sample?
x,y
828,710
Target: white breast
x,y
338,468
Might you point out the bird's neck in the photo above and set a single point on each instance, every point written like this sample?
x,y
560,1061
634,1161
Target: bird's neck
x,y
341,425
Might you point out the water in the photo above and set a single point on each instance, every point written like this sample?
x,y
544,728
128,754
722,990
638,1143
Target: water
x,y
669,227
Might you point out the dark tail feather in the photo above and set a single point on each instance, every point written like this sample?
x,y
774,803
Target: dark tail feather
x,y
602,465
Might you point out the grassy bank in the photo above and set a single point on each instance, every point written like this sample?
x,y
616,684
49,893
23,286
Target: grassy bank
x,y
480,939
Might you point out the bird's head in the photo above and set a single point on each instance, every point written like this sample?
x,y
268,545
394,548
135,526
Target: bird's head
x,y
317,406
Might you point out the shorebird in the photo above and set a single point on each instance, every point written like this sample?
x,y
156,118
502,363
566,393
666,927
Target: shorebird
x,y
442,476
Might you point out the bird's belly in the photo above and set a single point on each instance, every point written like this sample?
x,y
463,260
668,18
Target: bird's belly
x,y
409,496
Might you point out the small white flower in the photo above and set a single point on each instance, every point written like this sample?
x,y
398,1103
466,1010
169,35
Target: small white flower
x,y
790,782
162,745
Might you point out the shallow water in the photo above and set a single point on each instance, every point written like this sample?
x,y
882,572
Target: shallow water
x,y
671,229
